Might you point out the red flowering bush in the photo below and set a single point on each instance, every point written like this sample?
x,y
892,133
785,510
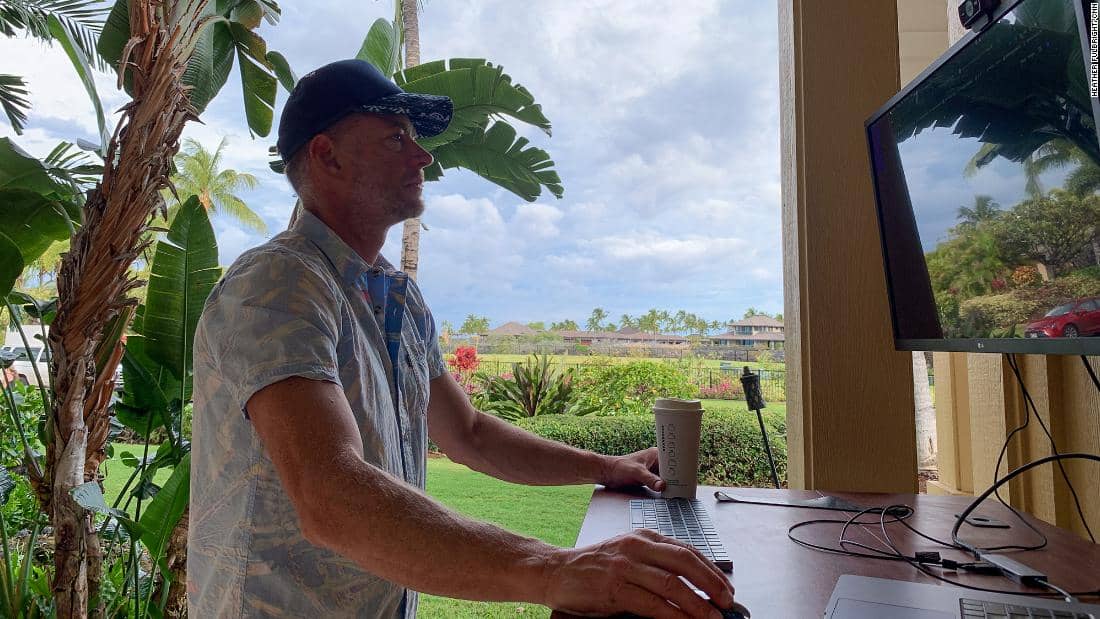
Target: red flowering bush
x,y
725,390
465,360
1026,276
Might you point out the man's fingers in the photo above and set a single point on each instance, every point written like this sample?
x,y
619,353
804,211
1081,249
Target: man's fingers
x,y
641,602
668,586
657,537
684,560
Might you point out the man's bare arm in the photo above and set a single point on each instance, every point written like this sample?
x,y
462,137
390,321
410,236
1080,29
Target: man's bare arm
x,y
498,448
395,531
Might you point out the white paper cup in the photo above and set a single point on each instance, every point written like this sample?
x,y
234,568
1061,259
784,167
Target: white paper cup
x,y
678,425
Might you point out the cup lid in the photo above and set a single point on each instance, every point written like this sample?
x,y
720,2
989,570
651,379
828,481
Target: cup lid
x,y
678,404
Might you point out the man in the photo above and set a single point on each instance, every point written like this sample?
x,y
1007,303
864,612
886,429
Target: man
x,y
318,379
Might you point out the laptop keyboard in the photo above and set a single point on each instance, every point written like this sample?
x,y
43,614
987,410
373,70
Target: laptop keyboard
x,y
975,609
685,520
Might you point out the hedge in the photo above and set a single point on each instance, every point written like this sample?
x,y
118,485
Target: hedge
x,y
731,453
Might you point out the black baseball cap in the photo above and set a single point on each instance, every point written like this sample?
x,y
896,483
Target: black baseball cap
x,y
335,90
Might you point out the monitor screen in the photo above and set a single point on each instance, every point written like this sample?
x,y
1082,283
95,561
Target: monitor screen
x,y
987,180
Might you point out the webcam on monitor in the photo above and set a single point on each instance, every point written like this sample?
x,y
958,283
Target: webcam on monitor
x,y
973,11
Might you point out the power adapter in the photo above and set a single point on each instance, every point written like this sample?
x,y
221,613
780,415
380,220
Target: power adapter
x,y
1015,570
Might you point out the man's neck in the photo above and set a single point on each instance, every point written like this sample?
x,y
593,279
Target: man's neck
x,y
365,240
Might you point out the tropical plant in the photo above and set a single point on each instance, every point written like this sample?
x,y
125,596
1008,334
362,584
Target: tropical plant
x,y
595,319
565,325
199,173
474,325
1053,229
172,58
71,22
534,388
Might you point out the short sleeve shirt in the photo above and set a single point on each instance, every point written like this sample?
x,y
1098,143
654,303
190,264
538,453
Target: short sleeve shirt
x,y
303,304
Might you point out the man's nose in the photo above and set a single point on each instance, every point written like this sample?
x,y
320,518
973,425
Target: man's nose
x,y
421,158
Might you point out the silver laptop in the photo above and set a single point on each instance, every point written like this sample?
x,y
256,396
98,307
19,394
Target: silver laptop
x,y
860,597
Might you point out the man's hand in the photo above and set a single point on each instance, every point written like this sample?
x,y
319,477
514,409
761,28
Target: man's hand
x,y
638,573
636,469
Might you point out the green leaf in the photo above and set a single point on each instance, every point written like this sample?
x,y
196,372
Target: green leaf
x,y
282,70
185,269
498,156
90,497
7,484
115,34
20,170
257,82
164,511
148,390
210,63
11,264
32,221
381,47
80,63
13,98
478,91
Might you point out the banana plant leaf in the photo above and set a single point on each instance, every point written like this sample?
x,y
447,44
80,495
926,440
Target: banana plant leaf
x,y
478,89
184,271
81,63
497,155
382,46
163,513
150,393
230,34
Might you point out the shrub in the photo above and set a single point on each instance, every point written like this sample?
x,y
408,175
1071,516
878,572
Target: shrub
x,y
730,450
630,388
725,390
533,388
1026,276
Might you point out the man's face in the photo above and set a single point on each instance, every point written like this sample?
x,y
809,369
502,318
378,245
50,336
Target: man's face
x,y
381,166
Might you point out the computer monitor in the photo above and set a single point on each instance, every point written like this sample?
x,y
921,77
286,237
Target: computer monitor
x,y
986,171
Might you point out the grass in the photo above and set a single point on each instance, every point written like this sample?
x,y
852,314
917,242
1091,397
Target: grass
x,y
552,514
712,364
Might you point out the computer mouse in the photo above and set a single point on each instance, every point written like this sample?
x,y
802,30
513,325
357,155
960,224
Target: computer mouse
x,y
737,612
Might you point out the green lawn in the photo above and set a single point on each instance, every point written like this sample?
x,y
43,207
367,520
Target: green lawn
x,y
713,364
553,514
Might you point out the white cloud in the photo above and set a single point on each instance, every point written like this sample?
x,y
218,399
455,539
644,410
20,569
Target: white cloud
x,y
665,135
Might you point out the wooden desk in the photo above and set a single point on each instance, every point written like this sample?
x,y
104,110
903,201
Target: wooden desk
x,y
775,577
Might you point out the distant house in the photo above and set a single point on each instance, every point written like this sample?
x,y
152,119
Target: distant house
x,y
514,329
754,331
624,336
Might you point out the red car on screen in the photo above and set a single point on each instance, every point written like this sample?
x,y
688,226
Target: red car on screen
x,y
1073,319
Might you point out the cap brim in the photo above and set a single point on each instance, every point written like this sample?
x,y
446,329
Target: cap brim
x,y
429,114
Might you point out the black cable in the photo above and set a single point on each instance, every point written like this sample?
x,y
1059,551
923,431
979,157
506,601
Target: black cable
x,y
1092,373
1011,475
901,513
924,569
1053,447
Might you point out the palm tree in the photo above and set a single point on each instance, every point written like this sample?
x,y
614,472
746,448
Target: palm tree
x,y
985,209
80,20
198,174
595,321
410,234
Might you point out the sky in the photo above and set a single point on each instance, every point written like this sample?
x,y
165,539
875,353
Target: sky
x,y
665,134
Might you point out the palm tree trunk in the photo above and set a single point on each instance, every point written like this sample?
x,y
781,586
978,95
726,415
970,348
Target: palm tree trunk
x,y
926,414
410,234
93,280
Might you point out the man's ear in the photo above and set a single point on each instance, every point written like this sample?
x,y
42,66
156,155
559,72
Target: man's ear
x,y
322,155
